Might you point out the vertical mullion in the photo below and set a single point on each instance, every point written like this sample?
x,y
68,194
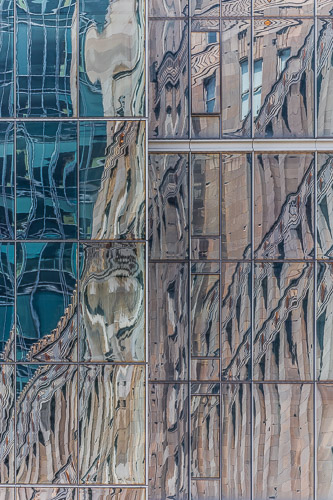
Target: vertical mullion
x,y
189,317
315,270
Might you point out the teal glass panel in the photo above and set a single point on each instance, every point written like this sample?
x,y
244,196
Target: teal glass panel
x,y
46,166
6,58
46,62
7,279
46,301
7,181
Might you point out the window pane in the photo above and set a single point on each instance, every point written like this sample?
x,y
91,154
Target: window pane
x,y
7,58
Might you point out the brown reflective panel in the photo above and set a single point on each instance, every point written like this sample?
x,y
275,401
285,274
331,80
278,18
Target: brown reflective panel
x,y
324,310
324,437
283,8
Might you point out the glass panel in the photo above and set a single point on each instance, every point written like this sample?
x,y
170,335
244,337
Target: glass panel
x,y
236,57
7,493
324,76
46,301
237,8
236,441
324,7
205,72
205,389
280,93
283,441
6,58
7,429
236,320
46,420
7,281
112,424
205,490
283,7
324,347
324,417
283,321
205,127
46,493
46,166
205,436
324,205
205,8
236,206
171,8
205,316
205,267
205,194
46,66
207,24
112,302
168,79
111,494
205,248
112,180
7,180
168,321
283,211
205,369
112,68
168,441
168,206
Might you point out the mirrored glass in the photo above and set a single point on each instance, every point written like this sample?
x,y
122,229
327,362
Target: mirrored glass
x,y
205,315
205,436
283,8
236,441
205,8
324,77
112,68
324,205
237,8
46,58
324,8
236,320
283,206
236,206
168,8
205,389
168,321
46,170
205,72
236,78
34,493
168,79
46,424
205,248
205,490
7,282
324,438
46,301
112,180
205,194
207,24
112,302
168,429
7,493
324,311
112,494
7,429
7,180
205,127
283,441
7,58
205,369
112,424
283,321
168,206
283,78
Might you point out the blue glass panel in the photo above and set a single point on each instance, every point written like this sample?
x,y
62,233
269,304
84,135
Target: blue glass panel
x,y
7,280
46,180
6,57
111,49
112,180
7,181
46,62
46,301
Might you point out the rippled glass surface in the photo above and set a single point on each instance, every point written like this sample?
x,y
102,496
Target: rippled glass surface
x,y
7,58
47,64
324,76
112,180
111,66
7,301
7,195
169,8
7,427
46,301
46,180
